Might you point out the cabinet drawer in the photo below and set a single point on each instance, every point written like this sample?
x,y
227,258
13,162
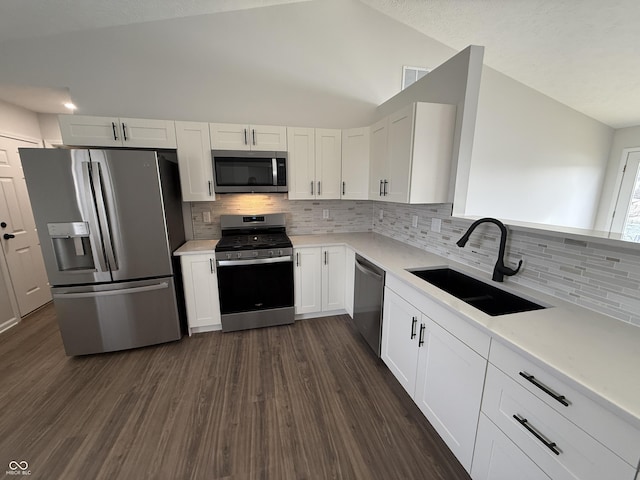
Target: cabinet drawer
x,y
497,458
555,444
594,419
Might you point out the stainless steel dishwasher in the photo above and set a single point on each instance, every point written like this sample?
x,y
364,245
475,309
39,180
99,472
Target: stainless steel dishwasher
x,y
367,305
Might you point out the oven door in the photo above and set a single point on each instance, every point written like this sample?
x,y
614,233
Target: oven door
x,y
255,293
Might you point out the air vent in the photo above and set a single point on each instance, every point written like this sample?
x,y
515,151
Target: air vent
x,y
412,74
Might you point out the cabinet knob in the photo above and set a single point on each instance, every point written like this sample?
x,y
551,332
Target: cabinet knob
x,y
3,224
7,236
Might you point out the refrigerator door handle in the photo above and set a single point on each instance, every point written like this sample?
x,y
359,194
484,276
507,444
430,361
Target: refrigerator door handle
x,y
94,227
107,293
103,214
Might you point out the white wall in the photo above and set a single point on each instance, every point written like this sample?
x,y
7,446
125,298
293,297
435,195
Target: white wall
x,y
324,63
50,129
534,159
18,121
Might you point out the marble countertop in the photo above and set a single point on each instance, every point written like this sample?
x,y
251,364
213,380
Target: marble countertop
x,y
596,354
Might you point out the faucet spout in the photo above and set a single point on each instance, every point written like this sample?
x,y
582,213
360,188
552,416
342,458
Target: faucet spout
x,y
500,269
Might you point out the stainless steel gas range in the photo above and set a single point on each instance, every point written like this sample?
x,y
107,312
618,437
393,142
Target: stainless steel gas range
x,y
255,272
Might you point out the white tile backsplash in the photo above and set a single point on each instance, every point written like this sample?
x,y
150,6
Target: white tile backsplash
x,y
599,277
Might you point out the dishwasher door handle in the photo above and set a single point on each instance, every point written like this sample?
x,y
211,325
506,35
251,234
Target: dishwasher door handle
x,y
366,271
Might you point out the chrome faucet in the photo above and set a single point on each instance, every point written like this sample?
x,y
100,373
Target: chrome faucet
x,y
500,270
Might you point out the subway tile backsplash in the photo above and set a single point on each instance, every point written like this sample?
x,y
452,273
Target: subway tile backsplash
x,y
599,277
303,217
596,276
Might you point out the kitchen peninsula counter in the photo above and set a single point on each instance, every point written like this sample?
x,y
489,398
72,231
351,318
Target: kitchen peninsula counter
x,y
596,354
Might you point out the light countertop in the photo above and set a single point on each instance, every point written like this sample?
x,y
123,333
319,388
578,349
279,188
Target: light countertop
x,y
595,354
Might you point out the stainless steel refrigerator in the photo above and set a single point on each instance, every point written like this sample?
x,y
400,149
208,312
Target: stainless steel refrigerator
x,y
108,222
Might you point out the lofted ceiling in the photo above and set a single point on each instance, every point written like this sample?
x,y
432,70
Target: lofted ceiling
x,y
582,53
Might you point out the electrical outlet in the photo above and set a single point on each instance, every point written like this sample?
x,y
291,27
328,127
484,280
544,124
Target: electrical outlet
x,y
325,213
206,217
436,223
414,221
381,214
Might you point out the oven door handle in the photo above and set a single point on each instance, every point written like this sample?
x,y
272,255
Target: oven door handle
x,y
254,261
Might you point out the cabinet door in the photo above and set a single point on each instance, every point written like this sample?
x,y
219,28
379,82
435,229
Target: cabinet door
x,y
449,389
349,276
301,163
400,331
333,277
378,157
400,150
83,130
268,138
307,278
433,131
497,458
355,164
229,136
200,290
145,133
328,163
194,161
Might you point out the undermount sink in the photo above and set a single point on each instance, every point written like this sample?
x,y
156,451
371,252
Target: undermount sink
x,y
489,299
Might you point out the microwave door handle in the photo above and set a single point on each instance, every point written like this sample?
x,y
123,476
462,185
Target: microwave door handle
x,y
95,234
103,215
274,167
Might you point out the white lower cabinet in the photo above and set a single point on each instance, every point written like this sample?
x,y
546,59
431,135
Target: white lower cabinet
x,y
349,279
201,292
319,279
440,371
565,434
497,458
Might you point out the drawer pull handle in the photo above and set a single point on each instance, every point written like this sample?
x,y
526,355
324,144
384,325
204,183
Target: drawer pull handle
x,y
414,321
525,423
545,389
421,339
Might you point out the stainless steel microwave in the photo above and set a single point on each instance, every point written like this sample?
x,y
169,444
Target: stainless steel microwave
x,y
247,172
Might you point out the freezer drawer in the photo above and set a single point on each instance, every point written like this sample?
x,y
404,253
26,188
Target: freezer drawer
x,y
117,316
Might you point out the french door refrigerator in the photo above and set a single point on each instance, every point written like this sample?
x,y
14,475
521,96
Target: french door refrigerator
x,y
108,222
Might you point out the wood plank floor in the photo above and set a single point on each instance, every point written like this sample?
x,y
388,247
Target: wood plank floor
x,y
307,401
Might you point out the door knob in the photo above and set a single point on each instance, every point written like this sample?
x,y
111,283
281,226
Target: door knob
x,y
3,224
7,236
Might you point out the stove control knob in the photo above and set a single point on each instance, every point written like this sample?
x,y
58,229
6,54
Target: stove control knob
x,y
228,256
280,252
271,253
255,253
239,255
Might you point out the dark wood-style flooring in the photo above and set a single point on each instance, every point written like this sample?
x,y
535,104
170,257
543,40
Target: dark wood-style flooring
x,y
307,401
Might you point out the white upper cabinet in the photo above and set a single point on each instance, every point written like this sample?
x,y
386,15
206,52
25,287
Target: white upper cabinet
x,y
378,158
231,136
301,165
355,164
411,154
194,161
83,130
314,163
328,163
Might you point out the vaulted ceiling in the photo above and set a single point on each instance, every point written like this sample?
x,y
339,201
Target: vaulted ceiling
x,y
581,52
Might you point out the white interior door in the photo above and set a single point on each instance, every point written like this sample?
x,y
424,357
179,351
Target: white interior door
x,y
626,218
18,233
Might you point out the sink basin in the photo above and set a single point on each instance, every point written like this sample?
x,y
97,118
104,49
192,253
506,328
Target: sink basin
x,y
487,298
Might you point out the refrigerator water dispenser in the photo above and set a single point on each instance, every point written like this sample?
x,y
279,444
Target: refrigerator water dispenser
x,y
71,245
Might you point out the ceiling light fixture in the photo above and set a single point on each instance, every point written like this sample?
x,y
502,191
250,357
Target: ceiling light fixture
x,y
70,106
